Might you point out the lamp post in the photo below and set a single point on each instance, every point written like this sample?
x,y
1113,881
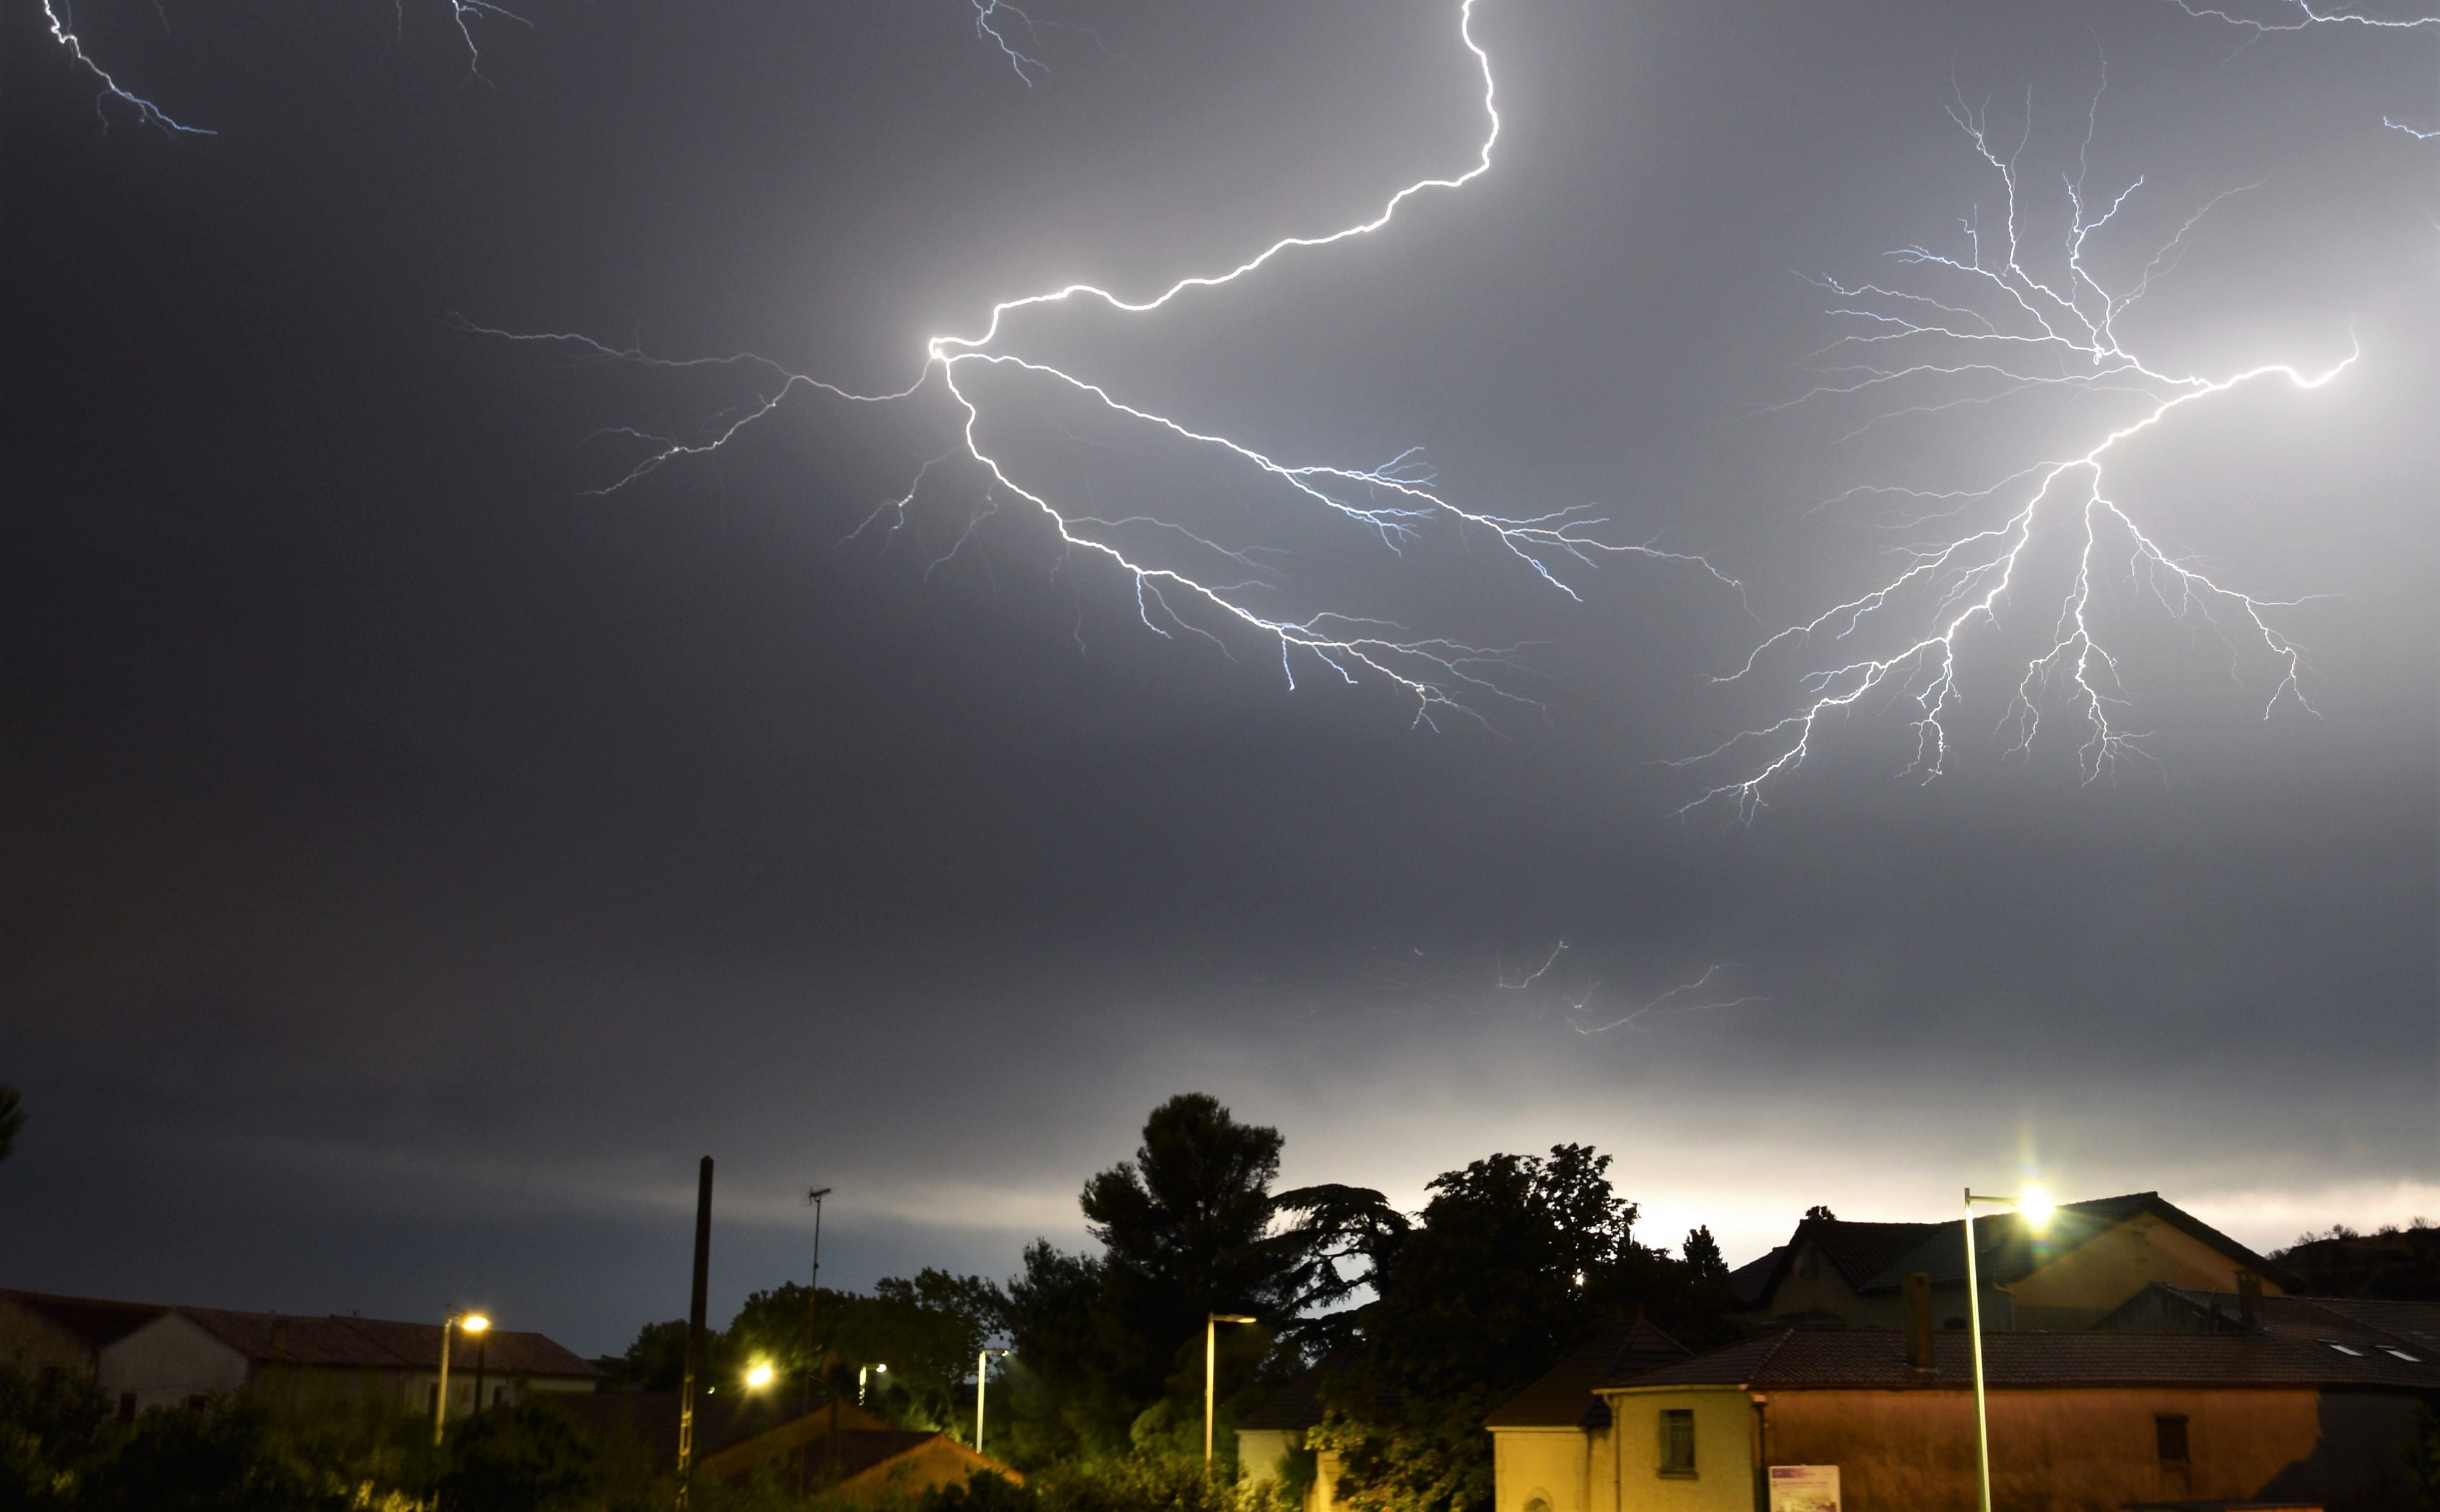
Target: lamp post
x,y
2035,1206
814,1296
1212,1322
982,1373
474,1323
865,1372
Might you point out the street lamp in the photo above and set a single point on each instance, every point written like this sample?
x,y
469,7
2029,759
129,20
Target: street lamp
x,y
757,1375
474,1323
2035,1207
864,1373
982,1371
813,1297
1212,1322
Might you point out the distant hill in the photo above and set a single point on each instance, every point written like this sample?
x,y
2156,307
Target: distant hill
x,y
2402,1265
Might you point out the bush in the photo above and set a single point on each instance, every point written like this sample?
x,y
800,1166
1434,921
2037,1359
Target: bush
x,y
531,1457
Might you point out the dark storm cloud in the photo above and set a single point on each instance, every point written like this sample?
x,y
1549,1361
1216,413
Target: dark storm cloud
x,y
416,862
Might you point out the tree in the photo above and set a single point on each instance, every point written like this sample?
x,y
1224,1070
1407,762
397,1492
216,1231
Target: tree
x,y
1517,1262
52,1436
218,1457
1109,1346
1819,1212
528,1457
925,1329
13,1118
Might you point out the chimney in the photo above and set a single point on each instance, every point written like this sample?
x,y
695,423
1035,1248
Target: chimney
x,y
1918,1314
2249,1298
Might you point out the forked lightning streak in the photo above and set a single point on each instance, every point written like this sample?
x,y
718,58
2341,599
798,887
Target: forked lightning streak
x,y
1973,326
1216,589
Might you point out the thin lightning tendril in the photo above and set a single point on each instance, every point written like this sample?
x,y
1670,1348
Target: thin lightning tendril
x,y
1392,501
463,14
64,32
1665,1005
2300,15
1985,319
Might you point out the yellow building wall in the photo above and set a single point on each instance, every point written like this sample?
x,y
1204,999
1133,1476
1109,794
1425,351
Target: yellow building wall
x,y
2080,1287
1558,1467
1724,1452
2087,1450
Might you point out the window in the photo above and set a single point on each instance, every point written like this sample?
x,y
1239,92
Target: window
x,y
2344,1349
2170,1430
1677,1441
2393,1350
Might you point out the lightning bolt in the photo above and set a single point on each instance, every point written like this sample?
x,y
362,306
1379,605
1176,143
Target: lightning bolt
x,y
989,17
1666,1006
151,114
1521,983
1391,501
1979,320
462,13
2300,15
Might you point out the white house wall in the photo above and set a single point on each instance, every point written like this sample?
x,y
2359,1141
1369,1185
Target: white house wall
x,y
167,1362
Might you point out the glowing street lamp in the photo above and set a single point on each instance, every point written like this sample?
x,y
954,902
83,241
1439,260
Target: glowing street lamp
x,y
2035,1207
1212,1322
474,1323
757,1375
862,1374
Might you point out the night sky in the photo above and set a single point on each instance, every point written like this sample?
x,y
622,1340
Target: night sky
x,y
415,858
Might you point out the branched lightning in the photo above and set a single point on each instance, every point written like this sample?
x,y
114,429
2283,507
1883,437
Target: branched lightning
x,y
1686,996
1391,501
1971,326
2301,15
149,114
463,14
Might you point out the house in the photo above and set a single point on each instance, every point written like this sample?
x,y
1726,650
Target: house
x,y
1277,1429
2086,1261
39,1333
1551,1444
860,1456
2080,1422
2408,1330
145,1355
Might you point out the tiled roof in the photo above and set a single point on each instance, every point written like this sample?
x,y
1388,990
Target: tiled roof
x,y
722,1420
90,1319
1564,1398
2413,1326
334,1341
1876,1358
1750,1282
1857,1252
381,1344
2006,1249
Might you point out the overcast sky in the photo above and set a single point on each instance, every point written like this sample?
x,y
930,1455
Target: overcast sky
x,y
415,861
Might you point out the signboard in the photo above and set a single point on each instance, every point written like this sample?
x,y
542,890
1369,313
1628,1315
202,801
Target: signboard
x,y
1804,1488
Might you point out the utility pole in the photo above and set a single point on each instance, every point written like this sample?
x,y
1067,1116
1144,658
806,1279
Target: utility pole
x,y
694,1328
813,1297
